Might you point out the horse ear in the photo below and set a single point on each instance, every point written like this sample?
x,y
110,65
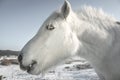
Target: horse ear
x,y
66,8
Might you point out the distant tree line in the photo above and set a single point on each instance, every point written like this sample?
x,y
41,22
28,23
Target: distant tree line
x,y
9,53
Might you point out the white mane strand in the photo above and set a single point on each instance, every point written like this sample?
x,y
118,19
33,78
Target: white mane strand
x,y
95,16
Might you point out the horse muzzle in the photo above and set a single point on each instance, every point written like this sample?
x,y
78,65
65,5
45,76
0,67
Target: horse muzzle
x,y
29,68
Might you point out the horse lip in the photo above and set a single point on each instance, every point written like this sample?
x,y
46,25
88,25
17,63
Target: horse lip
x,y
23,67
30,69
31,66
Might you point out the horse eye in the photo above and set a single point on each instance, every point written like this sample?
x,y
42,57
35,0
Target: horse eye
x,y
50,27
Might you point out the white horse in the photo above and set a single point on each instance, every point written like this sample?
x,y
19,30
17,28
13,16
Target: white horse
x,y
88,33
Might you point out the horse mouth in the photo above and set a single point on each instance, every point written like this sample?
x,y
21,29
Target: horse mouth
x,y
30,67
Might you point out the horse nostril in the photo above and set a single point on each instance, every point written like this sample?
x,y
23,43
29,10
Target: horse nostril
x,y
20,58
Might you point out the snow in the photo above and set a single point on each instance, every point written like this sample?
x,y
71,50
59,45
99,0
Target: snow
x,y
67,71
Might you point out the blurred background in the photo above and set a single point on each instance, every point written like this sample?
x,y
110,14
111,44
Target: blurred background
x,y
21,19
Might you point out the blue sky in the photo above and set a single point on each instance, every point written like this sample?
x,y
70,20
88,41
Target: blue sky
x,y
21,19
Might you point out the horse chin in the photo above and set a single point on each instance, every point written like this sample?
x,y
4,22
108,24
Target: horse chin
x,y
34,71
37,71
31,69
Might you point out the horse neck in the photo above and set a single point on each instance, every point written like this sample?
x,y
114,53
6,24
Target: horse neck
x,y
79,26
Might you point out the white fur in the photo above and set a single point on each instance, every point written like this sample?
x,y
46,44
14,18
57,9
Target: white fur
x,y
88,33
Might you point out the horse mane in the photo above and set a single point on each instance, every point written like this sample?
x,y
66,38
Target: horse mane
x,y
95,16
89,13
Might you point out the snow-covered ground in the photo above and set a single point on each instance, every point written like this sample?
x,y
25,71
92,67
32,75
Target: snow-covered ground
x,y
67,71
